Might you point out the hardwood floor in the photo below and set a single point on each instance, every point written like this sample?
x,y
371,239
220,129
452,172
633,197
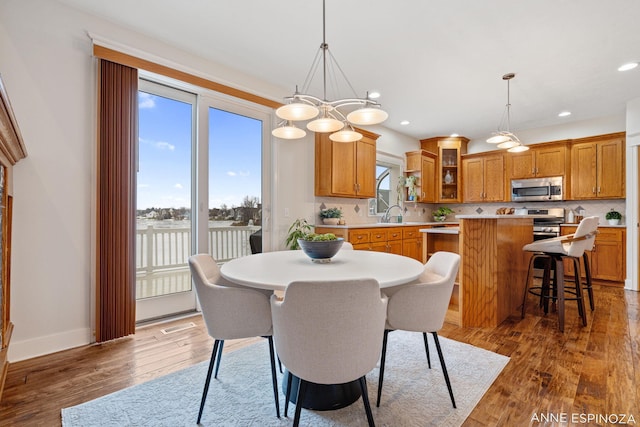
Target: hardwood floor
x,y
587,370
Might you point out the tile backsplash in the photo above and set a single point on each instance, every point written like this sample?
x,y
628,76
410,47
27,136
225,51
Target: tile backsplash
x,y
356,211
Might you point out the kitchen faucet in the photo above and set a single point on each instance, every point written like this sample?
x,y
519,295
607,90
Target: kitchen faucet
x,y
386,218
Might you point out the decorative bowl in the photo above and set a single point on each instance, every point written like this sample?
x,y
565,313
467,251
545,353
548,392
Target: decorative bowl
x,y
321,250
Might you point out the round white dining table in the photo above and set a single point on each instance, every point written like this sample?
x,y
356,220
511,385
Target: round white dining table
x,y
275,270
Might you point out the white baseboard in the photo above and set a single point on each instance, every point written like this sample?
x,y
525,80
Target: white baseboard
x,y
34,347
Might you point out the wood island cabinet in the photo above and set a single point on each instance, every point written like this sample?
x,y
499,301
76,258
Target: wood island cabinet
x,y
422,164
346,169
598,167
483,177
448,171
547,159
607,260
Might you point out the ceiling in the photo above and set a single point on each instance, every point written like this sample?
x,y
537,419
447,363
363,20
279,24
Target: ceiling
x,y
437,64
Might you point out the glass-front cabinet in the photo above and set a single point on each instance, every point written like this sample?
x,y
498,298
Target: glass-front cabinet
x,y
448,167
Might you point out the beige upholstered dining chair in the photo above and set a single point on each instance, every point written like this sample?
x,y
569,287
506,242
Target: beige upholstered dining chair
x,y
421,306
555,250
346,245
328,332
230,312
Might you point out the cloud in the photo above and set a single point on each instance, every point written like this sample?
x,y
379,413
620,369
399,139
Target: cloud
x,y
146,100
240,173
178,186
231,173
165,146
160,145
143,186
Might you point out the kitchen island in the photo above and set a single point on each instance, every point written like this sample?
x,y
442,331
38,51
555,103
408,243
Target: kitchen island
x,y
493,266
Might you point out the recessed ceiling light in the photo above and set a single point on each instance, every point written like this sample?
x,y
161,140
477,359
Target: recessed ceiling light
x,y
627,67
374,94
404,122
564,114
453,135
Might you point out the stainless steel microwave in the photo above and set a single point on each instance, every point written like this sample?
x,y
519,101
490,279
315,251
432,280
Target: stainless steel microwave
x,y
536,189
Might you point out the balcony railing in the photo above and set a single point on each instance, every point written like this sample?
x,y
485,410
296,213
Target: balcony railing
x,y
162,255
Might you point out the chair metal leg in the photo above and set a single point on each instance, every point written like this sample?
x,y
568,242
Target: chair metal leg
x,y
559,290
219,357
365,400
444,367
273,375
587,275
579,296
526,285
382,361
426,348
288,393
302,390
208,380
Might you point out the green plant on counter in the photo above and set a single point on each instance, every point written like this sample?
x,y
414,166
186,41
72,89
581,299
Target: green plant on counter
x,y
313,237
298,230
331,213
442,211
613,215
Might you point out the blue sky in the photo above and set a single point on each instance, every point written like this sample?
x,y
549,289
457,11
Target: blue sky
x,y
164,177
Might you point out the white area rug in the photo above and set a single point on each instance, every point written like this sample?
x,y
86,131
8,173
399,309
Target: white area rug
x,y
413,394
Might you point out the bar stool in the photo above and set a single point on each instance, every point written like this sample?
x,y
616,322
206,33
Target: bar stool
x,y
553,251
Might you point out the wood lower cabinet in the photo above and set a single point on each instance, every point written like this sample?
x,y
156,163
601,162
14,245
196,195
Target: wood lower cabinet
x,y
412,243
598,167
607,260
401,240
483,177
346,169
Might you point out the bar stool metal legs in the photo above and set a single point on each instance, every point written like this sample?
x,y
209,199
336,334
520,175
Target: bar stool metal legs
x,y
557,292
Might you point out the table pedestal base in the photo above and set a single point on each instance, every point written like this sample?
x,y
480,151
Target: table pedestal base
x,y
323,397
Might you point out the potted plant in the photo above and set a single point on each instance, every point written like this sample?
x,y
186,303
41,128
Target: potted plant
x,y
441,213
331,215
613,217
298,230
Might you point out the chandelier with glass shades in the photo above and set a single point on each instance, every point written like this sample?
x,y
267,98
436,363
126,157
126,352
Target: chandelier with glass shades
x,y
337,116
503,136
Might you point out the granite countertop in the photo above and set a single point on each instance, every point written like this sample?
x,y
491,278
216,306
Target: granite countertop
x,y
495,216
391,224
441,230
605,225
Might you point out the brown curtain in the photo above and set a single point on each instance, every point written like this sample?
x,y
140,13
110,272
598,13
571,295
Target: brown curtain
x,y
117,135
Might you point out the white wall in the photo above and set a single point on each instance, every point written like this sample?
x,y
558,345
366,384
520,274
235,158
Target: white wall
x,y
633,193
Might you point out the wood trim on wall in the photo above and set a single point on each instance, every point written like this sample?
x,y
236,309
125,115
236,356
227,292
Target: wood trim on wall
x,y
143,64
116,201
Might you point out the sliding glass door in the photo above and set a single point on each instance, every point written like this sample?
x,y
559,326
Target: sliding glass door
x,y
166,141
202,158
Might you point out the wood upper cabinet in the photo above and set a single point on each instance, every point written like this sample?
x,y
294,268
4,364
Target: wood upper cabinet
x,y
448,177
598,167
546,160
483,177
346,169
422,164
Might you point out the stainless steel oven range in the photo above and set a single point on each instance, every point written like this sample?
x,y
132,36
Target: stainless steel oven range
x,y
546,227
